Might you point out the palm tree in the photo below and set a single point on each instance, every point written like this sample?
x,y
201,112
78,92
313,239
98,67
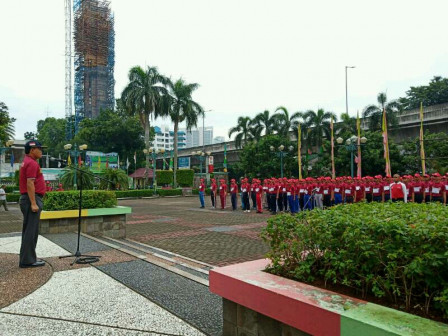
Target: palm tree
x,y
243,130
6,123
181,107
347,125
84,177
267,122
142,97
318,124
285,123
375,112
114,178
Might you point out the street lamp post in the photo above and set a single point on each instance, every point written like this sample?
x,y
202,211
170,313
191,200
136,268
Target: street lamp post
x,y
153,152
8,145
351,144
281,153
203,130
68,148
346,87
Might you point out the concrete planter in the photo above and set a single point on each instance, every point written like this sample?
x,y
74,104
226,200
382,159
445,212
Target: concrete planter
x,y
110,222
259,303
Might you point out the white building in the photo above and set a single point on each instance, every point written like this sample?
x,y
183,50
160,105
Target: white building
x,y
165,139
199,136
219,139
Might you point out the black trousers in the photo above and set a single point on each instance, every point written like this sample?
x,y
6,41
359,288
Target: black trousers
x,y
253,195
280,202
377,199
369,197
437,199
30,229
213,198
285,201
233,199
348,199
272,203
327,201
418,198
397,200
246,201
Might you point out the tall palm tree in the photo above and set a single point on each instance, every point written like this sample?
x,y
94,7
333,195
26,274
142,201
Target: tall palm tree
x,y
114,178
142,97
6,123
347,125
286,123
243,130
266,121
375,112
181,107
318,125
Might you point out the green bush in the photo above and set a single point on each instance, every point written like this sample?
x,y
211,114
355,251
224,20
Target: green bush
x,y
10,189
185,177
69,200
169,192
134,193
196,191
397,251
13,197
164,177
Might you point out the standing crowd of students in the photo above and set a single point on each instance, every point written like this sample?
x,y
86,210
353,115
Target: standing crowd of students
x,y
293,195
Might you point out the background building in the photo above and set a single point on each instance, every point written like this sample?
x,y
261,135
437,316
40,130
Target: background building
x,y
164,138
199,136
219,139
94,59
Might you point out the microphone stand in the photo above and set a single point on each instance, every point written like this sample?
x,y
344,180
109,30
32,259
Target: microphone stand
x,y
313,192
82,258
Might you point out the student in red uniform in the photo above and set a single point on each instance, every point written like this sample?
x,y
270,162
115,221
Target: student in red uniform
x,y
213,190
386,188
259,195
368,188
398,190
426,190
377,189
253,195
338,191
245,190
437,189
445,189
60,188
359,189
349,191
272,195
202,192
234,193
326,190
417,189
223,193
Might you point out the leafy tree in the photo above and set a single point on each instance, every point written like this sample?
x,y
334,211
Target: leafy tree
x,y
375,112
285,123
257,159
243,132
142,96
265,121
68,178
51,133
29,135
181,107
434,93
347,126
116,179
112,132
318,125
6,123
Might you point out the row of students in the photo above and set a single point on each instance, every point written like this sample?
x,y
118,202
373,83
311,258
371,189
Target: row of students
x,y
281,194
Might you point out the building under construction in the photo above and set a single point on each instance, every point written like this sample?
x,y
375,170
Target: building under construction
x,y
94,41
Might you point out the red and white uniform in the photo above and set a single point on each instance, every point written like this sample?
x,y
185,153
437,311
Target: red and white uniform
x,y
398,191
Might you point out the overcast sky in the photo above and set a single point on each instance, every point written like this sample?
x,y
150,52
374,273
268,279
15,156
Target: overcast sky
x,y
247,56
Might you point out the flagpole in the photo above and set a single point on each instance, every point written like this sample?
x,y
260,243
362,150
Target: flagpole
x,y
358,126
422,139
299,151
333,170
386,145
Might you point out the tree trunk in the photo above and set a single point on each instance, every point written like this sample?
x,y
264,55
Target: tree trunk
x,y
176,127
147,147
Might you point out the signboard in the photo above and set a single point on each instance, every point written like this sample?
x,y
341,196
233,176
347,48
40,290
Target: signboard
x,y
183,162
210,160
99,161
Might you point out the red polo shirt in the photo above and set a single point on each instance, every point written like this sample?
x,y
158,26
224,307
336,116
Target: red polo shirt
x,y
437,189
202,187
30,169
234,188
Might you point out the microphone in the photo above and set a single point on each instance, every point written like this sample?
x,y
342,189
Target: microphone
x,y
58,160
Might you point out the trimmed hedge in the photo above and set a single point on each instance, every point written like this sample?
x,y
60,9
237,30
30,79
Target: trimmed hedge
x,y
69,200
196,191
13,197
185,177
394,251
10,189
164,177
135,193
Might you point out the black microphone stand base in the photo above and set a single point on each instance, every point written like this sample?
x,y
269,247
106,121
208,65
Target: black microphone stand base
x,y
81,258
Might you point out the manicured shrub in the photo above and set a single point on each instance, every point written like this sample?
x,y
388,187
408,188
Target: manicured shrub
x,y
164,177
134,193
69,200
196,191
395,251
11,188
169,192
13,197
185,177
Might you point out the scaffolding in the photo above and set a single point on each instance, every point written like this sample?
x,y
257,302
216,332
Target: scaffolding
x,y
94,39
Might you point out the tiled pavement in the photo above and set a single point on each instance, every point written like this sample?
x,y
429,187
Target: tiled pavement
x,y
214,236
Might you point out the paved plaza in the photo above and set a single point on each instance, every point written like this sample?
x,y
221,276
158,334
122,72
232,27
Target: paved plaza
x,y
142,285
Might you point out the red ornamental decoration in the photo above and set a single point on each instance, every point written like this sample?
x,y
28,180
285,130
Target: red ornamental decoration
x,y
210,168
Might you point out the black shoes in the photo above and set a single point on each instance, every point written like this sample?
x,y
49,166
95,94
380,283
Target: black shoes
x,y
36,264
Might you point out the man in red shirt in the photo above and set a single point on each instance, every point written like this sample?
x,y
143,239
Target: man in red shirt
x,y
349,190
202,192
32,189
359,189
417,189
398,190
213,189
377,189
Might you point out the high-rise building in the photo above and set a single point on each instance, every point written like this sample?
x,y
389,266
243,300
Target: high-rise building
x,y
219,139
199,136
164,138
94,40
